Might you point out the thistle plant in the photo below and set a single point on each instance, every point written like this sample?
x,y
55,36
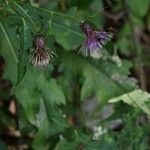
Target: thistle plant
x,y
78,102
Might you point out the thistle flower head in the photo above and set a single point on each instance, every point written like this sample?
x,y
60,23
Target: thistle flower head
x,y
95,40
40,56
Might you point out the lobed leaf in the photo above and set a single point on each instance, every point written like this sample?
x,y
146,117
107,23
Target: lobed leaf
x,y
136,98
50,90
50,122
103,80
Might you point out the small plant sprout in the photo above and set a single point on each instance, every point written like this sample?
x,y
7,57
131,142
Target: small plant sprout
x,y
95,40
41,56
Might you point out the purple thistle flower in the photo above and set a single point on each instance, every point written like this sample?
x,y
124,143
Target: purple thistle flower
x,y
40,56
95,40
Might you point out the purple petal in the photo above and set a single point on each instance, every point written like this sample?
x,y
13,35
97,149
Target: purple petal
x,y
40,43
91,46
103,37
95,40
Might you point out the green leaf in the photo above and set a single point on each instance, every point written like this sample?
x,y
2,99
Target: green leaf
x,y
27,94
9,42
24,97
43,132
50,122
41,137
23,13
26,43
50,90
103,79
62,26
26,35
138,7
97,6
136,98
7,50
66,31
